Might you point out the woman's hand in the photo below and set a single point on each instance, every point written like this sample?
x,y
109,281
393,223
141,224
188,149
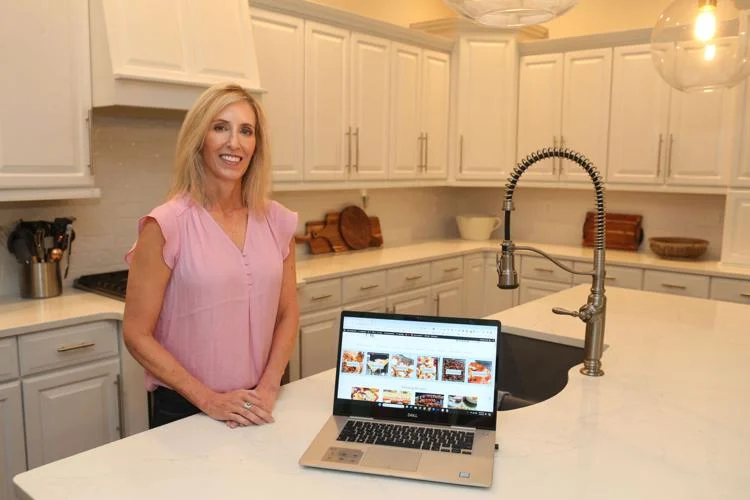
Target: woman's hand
x,y
237,408
267,395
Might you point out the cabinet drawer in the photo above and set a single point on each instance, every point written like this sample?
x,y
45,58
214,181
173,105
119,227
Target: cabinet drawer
x,y
533,289
67,346
447,269
363,286
408,277
689,285
319,295
625,277
541,269
8,359
372,305
730,290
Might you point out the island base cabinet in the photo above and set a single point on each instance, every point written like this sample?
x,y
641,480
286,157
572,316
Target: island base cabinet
x,y
533,289
318,341
12,450
70,411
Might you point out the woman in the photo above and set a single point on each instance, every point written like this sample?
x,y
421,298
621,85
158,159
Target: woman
x,y
211,308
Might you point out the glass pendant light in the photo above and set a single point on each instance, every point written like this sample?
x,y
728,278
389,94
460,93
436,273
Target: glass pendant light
x,y
510,13
702,44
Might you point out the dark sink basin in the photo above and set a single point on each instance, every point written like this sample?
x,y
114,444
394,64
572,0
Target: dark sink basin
x,y
532,370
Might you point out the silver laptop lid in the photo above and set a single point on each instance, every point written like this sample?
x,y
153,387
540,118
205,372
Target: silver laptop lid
x,y
425,369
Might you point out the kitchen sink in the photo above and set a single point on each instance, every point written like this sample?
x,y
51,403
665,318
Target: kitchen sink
x,y
533,370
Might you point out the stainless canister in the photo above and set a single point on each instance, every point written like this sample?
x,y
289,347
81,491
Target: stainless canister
x,y
40,280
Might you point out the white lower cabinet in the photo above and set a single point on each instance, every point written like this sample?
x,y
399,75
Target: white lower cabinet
x,y
689,285
449,298
414,302
474,293
374,305
730,290
624,277
12,449
318,341
70,411
534,289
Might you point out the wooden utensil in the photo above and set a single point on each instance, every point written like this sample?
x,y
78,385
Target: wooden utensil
x,y
331,232
624,231
376,235
355,228
317,245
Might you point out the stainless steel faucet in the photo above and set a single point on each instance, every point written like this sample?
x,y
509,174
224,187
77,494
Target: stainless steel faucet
x,y
593,312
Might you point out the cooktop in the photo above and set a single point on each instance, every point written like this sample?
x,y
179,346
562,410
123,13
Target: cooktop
x,y
112,284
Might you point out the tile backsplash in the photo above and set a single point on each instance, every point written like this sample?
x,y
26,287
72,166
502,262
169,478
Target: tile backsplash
x,y
133,157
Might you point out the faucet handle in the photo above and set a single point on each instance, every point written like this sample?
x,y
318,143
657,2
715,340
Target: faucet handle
x,y
560,310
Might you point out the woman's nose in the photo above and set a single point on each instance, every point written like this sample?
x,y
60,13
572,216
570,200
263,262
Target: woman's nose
x,y
234,139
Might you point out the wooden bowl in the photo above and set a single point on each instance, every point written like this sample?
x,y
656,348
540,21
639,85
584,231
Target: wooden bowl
x,y
678,248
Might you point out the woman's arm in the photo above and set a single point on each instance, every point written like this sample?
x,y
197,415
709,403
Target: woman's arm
x,y
147,283
284,334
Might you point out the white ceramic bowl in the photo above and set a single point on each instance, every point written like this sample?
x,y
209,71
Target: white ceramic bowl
x,y
477,227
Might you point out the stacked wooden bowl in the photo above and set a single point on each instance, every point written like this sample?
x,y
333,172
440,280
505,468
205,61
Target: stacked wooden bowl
x,y
678,248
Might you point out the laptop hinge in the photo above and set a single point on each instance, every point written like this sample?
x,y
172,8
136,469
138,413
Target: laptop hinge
x,y
369,419
459,428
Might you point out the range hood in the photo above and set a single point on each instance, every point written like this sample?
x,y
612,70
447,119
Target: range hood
x,y
163,54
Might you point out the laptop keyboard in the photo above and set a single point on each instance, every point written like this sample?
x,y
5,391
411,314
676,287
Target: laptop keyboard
x,y
408,436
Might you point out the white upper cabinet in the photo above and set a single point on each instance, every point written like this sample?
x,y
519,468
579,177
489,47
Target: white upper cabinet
x,y
419,104
540,111
735,248
370,96
741,170
283,79
659,135
327,128
487,106
564,101
587,80
45,100
639,118
183,45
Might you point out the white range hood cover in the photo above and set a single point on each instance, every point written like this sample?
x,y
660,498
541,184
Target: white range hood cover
x,y
163,54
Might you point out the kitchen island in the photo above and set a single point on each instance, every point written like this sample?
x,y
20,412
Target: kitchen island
x,y
670,419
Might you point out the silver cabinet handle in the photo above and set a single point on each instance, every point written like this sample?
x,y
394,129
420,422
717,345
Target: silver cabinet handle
x,y
356,149
368,287
461,153
120,409
450,269
610,278
745,295
544,270
74,347
420,141
349,149
658,156
413,277
669,155
676,287
89,118
321,297
437,305
562,145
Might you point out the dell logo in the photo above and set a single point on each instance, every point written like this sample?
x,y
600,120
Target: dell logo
x,y
412,415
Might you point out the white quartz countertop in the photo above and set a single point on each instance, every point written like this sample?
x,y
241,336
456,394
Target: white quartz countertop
x,y
670,419
334,265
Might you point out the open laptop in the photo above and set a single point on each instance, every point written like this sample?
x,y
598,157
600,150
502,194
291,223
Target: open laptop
x,y
414,397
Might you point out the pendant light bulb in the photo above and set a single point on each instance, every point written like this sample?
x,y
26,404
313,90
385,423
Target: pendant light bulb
x,y
702,45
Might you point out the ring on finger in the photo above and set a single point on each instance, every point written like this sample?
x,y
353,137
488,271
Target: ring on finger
x,y
247,405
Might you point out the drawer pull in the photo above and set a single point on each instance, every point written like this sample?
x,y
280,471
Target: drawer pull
x,y
610,278
368,287
676,287
544,270
413,277
73,347
450,269
321,297
747,295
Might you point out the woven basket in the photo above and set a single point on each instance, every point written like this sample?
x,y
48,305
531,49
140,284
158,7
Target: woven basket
x,y
678,248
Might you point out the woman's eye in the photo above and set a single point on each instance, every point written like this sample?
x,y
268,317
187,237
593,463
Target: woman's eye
x,y
219,127
248,131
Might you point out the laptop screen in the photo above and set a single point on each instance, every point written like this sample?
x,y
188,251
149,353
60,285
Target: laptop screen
x,y
421,368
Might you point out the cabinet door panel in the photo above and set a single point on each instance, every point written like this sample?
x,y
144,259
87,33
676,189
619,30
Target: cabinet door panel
x,y
449,298
375,305
533,289
474,293
70,411
370,106
318,341
434,112
741,170
326,97
585,109
44,133
283,77
486,107
414,302
539,111
700,141
639,120
406,102
735,248
12,450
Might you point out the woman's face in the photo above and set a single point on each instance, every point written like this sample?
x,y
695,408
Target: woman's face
x,y
230,143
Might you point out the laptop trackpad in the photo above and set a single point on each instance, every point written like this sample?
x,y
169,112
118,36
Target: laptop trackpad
x,y
393,458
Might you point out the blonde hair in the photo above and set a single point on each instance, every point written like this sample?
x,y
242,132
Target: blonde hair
x,y
189,170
